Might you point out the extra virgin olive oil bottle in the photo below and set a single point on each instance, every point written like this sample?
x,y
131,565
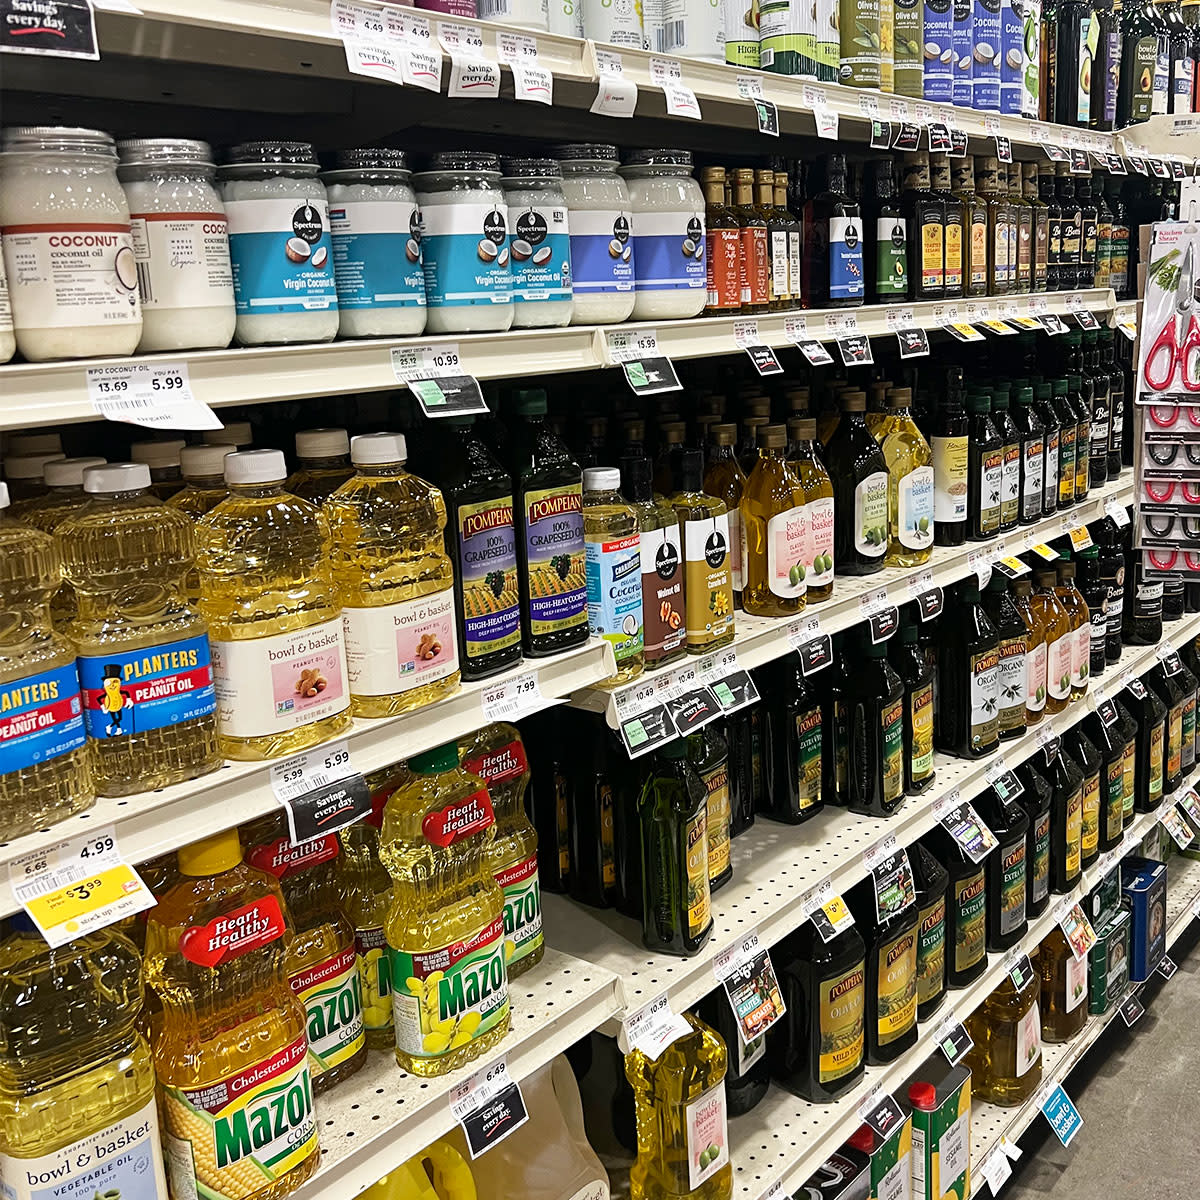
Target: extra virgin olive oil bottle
x,y
968,720
875,719
1037,800
1006,869
891,941
792,749
860,491
1013,646
966,909
917,677
1150,715
708,752
933,886
1087,758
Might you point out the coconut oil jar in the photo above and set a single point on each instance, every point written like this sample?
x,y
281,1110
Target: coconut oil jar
x,y
180,244
539,242
464,243
601,223
280,244
376,228
68,247
668,235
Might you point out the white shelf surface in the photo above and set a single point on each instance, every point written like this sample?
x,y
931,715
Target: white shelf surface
x,y
152,823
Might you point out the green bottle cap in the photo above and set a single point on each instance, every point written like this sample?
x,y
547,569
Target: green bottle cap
x,y
530,402
979,402
1060,387
1073,382
433,762
1041,391
674,749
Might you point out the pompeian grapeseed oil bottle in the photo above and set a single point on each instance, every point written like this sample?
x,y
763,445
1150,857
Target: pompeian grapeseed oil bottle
x,y
445,931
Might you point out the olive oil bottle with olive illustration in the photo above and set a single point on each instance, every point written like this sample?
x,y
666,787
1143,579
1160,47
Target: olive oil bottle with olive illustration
x,y
875,725
891,953
707,559
966,909
859,25
908,31
860,491
968,708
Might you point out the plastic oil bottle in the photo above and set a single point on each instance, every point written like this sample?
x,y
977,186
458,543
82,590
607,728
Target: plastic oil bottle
x,y
45,762
230,1041
682,1131
322,464
709,754
1037,800
774,516
64,493
145,671
321,960
445,930
439,1172
725,479
76,1078
203,470
1006,1060
496,755
1060,638
394,582
707,556
933,884
1064,988
267,592
793,744
1006,869
1035,652
966,909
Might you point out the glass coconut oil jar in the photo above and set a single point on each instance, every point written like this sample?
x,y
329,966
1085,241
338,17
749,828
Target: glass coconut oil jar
x,y
280,244
180,242
68,248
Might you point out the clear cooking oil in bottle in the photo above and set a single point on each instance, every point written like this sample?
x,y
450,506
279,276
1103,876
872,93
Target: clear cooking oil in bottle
x,y
774,511
203,470
445,930
45,772
229,1046
145,670
76,1079
322,464
274,618
394,581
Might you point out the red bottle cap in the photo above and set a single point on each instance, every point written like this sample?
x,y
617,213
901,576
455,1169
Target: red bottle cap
x,y
863,1139
923,1096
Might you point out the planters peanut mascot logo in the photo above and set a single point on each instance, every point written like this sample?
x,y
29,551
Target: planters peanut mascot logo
x,y
114,702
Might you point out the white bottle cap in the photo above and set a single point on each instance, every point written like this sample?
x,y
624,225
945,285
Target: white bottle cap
x,y
197,461
116,477
4,501
34,443
255,466
157,454
68,472
601,479
236,433
30,466
372,449
322,443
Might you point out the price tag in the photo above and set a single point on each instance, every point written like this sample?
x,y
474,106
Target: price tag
x,y
1019,969
1076,928
952,1039
907,137
64,29
1129,329
472,73
1080,538
963,332
369,41
899,109
1115,164
815,352
420,54
826,910
1172,820
965,826
1044,551
940,141
531,81
77,885
1053,324
1085,318
1055,153
764,360
958,143
667,73
1003,780
751,987
1132,1009
448,395
1167,967
795,329
1137,163
1003,148
814,647
512,698
881,135
321,791
489,1106
649,376
1117,512
426,362
1063,1116
1158,168
156,395
855,350
882,616
997,1170
893,877
1080,164
880,1111
617,94
652,1028
624,345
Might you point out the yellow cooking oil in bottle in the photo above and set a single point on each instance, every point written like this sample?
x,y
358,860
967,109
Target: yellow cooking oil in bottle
x,y
76,1078
322,963
774,514
275,623
445,930
145,669
45,761
230,1049
682,1123
496,755
910,485
394,581
322,464
203,470
63,495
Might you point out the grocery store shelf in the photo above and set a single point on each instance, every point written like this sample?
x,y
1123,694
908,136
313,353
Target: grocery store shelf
x,y
1125,311
382,1116
151,823
990,1123
57,392
1164,136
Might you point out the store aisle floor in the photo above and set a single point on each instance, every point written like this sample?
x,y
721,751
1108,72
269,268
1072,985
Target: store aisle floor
x,y
1136,1092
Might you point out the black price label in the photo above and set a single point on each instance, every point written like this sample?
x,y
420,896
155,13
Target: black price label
x,y
908,137
1177,169
1055,153
1138,164
53,28
1132,1009
1021,972
1003,148
764,360
881,135
954,1041
693,710
930,604
767,113
959,141
855,350
448,396
1079,163
815,655
914,343
328,808
884,1115
883,624
494,1120
648,729
1115,164
1167,967
815,352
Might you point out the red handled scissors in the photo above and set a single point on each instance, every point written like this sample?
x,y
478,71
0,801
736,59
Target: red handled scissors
x,y
1178,342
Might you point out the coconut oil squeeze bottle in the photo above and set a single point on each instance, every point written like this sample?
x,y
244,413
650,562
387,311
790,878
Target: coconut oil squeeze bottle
x,y
708,587
968,720
774,516
951,454
860,489
818,499
548,507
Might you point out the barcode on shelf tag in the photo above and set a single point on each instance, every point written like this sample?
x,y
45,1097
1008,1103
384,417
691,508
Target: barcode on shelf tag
x,y
371,47
512,698
775,1192
489,1106
531,80
736,955
1118,512
745,333
625,345
653,1027
617,94
321,790
667,73
814,647
155,395
426,362
795,329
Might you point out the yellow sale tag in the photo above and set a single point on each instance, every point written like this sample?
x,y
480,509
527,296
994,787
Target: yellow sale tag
x,y
1080,538
1026,322
837,912
1045,552
1000,327
70,904
967,332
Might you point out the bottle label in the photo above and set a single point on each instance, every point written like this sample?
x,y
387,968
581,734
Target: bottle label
x,y
487,559
1039,880
1041,249
183,260
135,691
1029,1040
891,720
468,997
1118,270
1090,234
1162,76
1075,980
723,269
1074,833
931,951
780,284
601,252
1081,656
1174,741
1035,679
1114,797
698,896
954,261
1138,77
1012,888
662,592
259,1119
374,978
921,717
985,698
991,483
970,921
1059,666
897,998
1066,463
978,250
71,275
709,588
614,590
1089,41
795,255
232,934
465,254
557,574
1090,820
1012,684
1157,737
397,647
914,508
1098,622
1129,766
539,243
1010,485
1000,240
845,258
377,254
737,549
891,256
280,858
933,255
305,673
788,541
706,1126
122,1159
820,528
332,999
718,817
748,1053
282,255
871,515
842,1007
808,758
668,251
1050,495
522,909
1072,237
1025,246
1189,730
41,717
755,265
950,479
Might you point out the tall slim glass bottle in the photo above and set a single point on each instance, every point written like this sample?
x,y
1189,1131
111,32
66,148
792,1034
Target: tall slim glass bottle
x,y
860,489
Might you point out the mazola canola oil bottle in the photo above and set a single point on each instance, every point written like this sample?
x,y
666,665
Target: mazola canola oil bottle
x,y
230,1049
